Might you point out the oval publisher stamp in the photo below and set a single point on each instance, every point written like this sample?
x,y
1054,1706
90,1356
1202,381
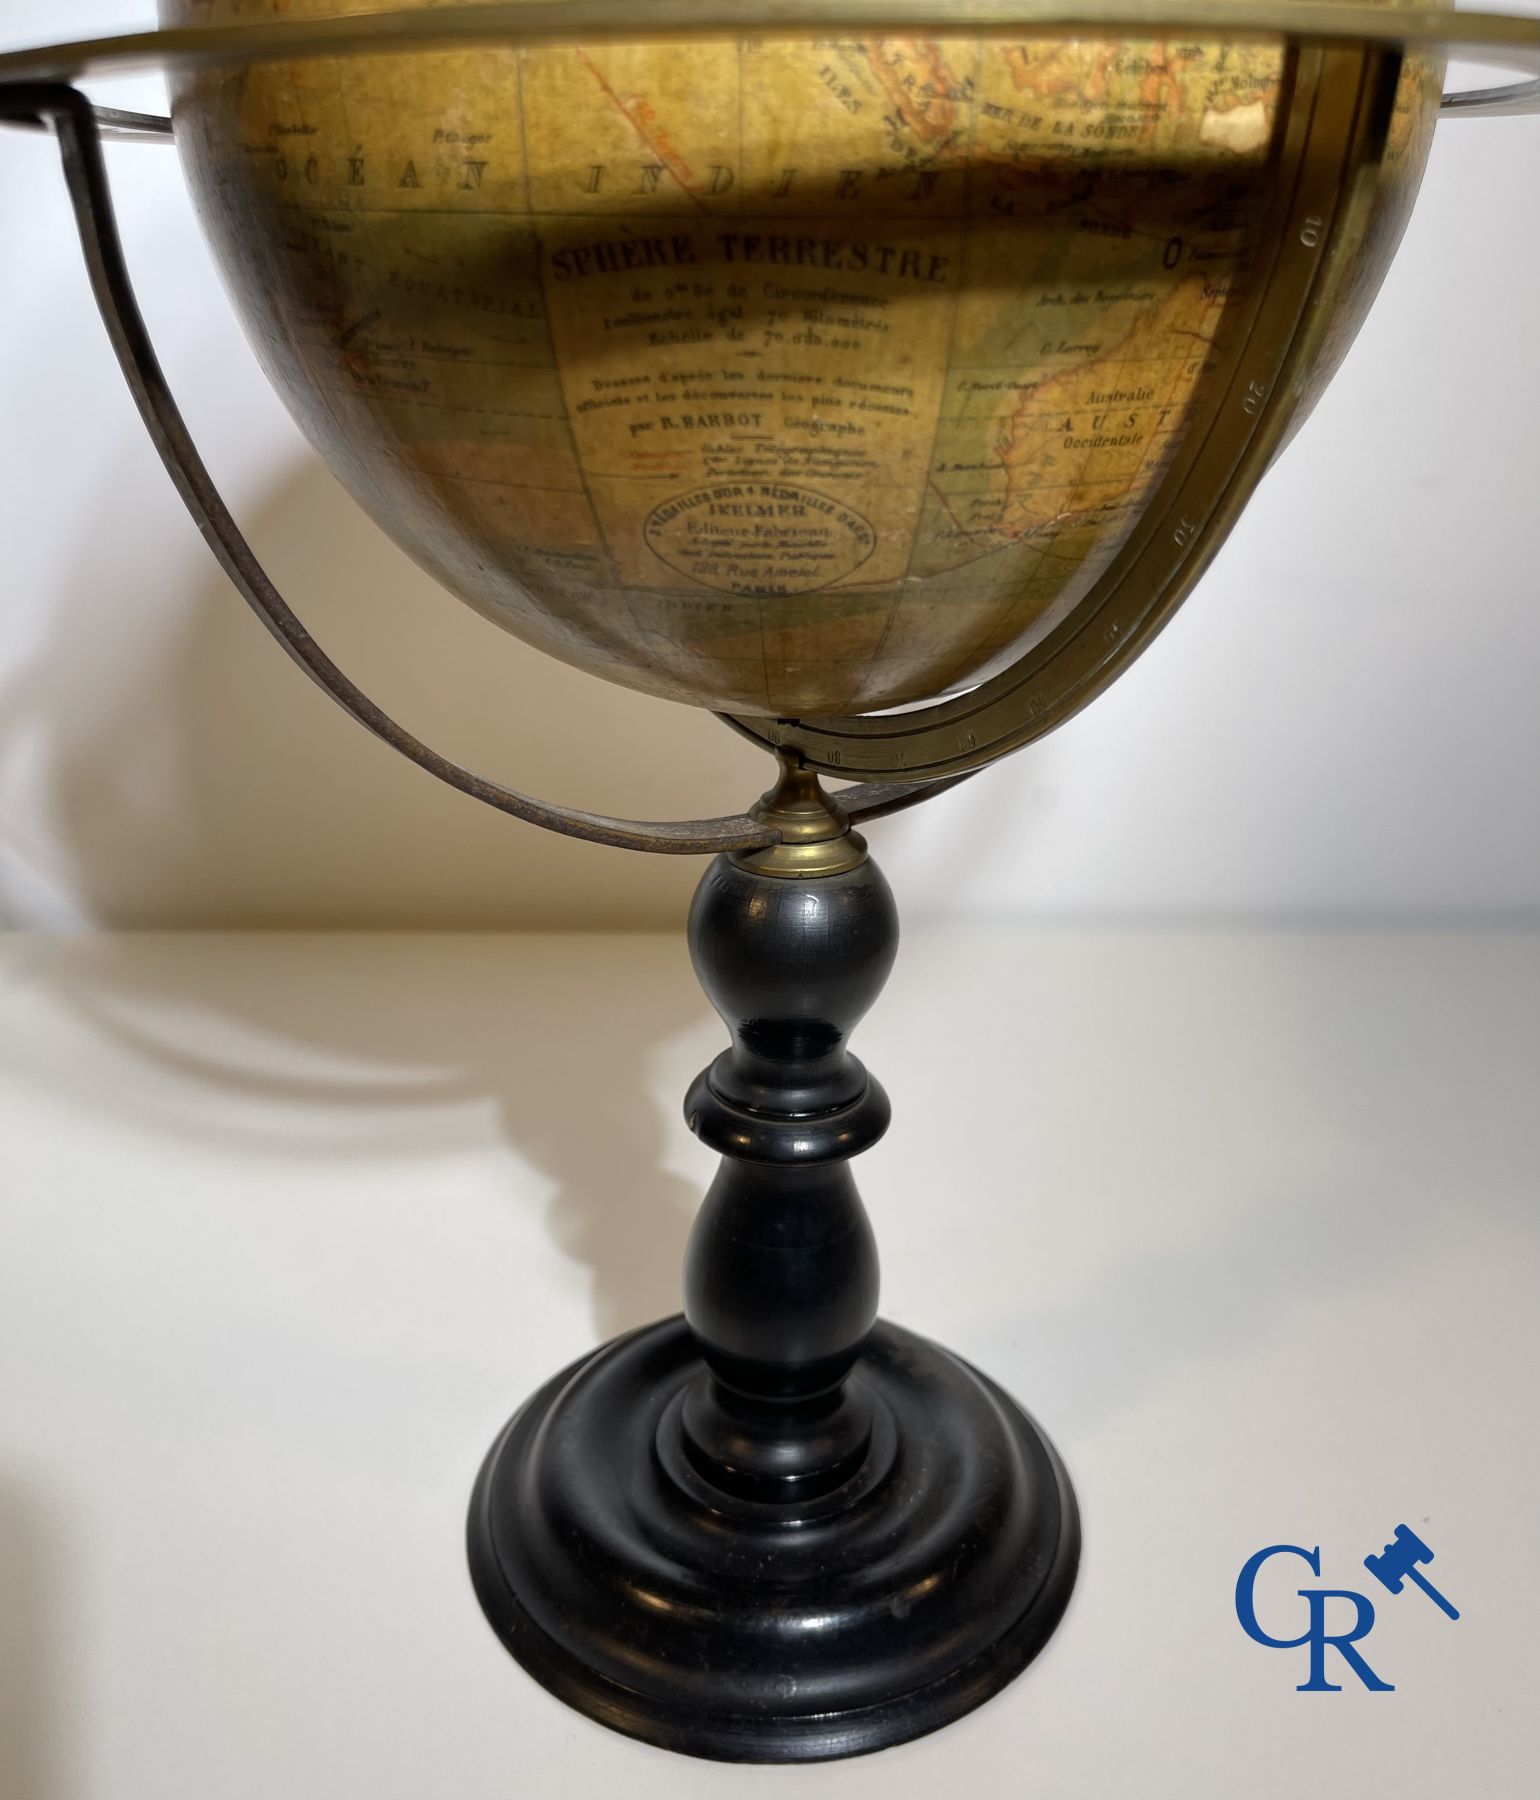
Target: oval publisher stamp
x,y
759,538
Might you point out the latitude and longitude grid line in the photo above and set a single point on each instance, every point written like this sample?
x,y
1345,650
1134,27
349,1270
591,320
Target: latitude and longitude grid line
x,y
1152,460
895,602
331,247
725,601
616,587
1091,564
342,70
357,390
1151,466
759,603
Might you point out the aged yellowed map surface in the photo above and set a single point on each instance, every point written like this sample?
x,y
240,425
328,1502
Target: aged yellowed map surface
x,y
782,377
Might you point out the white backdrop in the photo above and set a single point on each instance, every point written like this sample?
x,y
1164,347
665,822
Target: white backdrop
x,y
1342,722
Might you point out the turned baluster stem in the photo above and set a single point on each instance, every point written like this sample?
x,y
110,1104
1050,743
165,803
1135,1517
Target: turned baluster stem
x,y
792,946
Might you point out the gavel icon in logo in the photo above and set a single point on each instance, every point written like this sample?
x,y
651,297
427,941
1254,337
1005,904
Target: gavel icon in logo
x,y
1398,1562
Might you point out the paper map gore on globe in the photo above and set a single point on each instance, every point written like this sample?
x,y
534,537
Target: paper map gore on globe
x,y
780,378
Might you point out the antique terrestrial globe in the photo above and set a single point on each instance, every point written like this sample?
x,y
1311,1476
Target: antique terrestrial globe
x,y
879,375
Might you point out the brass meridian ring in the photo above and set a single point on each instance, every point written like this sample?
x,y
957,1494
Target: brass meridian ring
x,y
1346,61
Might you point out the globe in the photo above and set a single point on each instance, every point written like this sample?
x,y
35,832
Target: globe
x,y
885,392
782,377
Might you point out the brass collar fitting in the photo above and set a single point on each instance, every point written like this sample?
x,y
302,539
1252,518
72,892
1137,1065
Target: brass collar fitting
x,y
816,838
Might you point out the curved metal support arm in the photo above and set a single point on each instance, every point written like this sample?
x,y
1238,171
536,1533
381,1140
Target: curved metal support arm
x,y
112,123
1492,102
77,126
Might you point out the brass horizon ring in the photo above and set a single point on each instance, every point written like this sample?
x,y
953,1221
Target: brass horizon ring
x,y
1507,40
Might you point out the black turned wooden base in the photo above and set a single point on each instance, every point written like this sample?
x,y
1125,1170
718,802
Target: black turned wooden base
x,y
757,1632
775,1530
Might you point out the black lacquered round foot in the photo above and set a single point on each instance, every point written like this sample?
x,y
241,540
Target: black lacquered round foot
x,y
786,1631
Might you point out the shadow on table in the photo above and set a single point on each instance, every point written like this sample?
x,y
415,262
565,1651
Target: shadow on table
x,y
1330,1166
562,1050
30,1726
192,776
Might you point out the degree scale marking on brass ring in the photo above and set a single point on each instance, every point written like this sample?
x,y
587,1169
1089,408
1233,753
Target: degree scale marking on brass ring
x,y
1323,150
1505,39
